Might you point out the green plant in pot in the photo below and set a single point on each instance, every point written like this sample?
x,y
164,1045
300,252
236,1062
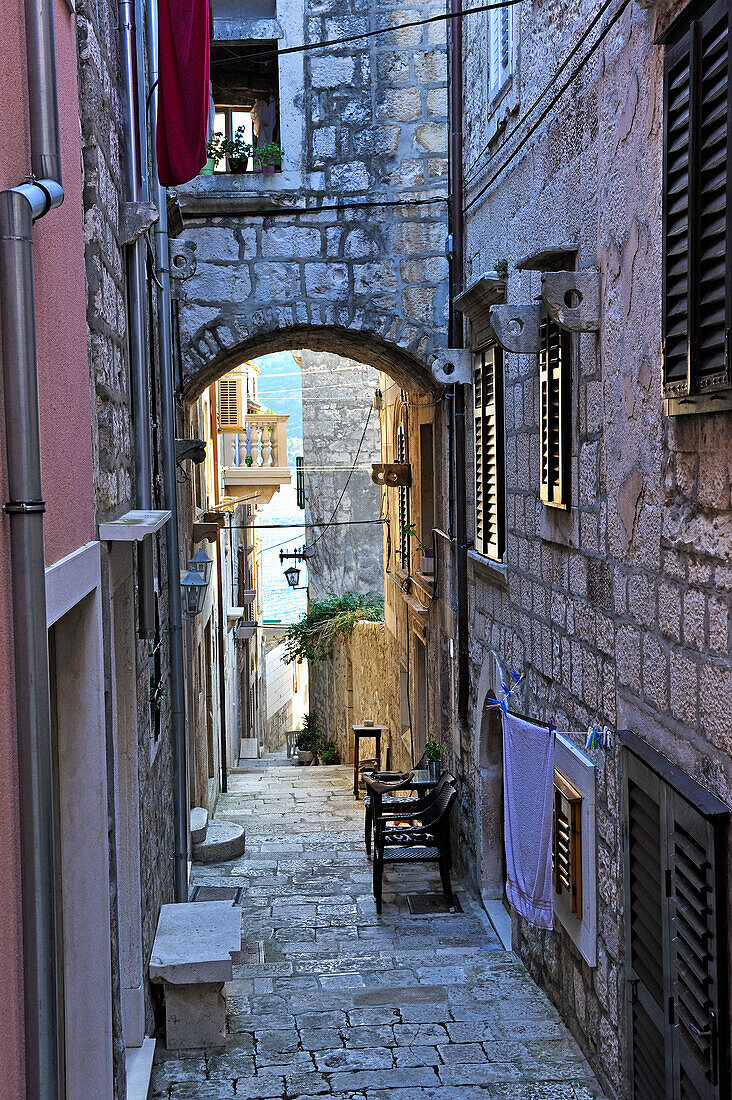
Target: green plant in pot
x,y
308,739
329,754
434,754
427,553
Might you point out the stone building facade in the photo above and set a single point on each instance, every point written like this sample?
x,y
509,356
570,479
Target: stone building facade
x,y
615,607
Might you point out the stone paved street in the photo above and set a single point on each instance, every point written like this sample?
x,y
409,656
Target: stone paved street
x,y
350,1005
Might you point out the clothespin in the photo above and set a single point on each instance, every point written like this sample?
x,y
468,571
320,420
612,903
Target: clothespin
x,y
605,737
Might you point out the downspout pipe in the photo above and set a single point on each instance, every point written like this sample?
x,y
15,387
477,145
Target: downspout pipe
x,y
456,341
19,208
136,305
220,596
167,438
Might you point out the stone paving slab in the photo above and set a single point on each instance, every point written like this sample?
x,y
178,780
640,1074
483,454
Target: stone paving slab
x,y
352,1006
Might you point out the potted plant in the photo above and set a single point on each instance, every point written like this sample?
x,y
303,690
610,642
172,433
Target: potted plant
x,y
434,753
238,151
267,157
427,561
216,151
329,754
307,740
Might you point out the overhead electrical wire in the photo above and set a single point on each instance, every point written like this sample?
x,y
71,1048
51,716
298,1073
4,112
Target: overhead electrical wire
x,y
552,103
474,168
306,47
348,480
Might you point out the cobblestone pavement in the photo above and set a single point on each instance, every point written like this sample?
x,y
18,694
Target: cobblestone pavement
x,y
346,1004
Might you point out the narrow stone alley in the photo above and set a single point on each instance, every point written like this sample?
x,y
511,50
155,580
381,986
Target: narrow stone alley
x,y
330,999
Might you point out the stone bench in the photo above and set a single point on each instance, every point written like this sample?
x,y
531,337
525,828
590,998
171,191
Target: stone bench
x,y
192,957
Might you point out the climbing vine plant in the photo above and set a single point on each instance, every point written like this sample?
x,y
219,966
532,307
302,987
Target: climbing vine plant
x,y
330,620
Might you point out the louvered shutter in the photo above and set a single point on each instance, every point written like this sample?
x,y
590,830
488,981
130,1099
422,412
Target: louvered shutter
x,y
567,854
675,902
500,48
403,499
488,431
646,934
229,404
696,309
695,950
555,400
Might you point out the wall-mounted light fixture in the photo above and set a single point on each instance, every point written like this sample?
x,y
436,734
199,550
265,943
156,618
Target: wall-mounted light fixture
x,y
193,589
201,563
292,576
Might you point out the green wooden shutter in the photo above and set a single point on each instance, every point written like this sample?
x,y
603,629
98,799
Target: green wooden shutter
x,y
488,433
555,444
697,291
675,908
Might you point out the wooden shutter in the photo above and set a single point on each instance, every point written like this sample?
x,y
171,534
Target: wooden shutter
x,y
555,444
568,841
229,404
488,433
697,255
403,499
675,942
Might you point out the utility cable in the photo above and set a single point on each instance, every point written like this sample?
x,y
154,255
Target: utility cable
x,y
328,43
373,204
348,479
474,167
289,526
552,103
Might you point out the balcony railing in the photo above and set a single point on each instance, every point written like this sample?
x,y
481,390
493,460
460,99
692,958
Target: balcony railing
x,y
256,455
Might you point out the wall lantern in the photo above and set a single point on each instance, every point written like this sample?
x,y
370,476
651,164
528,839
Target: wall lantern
x,y
201,563
193,588
292,576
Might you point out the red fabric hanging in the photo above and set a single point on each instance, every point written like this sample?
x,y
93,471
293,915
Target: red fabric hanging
x,y
183,89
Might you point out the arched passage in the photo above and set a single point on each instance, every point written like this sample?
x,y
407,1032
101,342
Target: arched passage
x,y
380,341
488,749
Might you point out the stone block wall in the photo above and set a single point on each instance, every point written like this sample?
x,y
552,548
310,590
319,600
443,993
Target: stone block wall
x,y
100,108
338,420
617,611
367,125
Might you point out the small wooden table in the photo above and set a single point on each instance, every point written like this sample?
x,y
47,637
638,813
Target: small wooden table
x,y
359,733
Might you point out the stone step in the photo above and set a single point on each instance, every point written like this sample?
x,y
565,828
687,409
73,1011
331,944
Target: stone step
x,y
224,840
199,824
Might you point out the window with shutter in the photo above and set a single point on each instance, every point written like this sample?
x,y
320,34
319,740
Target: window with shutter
x,y
567,856
488,435
403,503
555,397
500,49
229,406
697,283
675,908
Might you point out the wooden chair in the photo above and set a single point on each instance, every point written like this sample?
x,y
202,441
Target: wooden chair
x,y
368,801
408,807
426,840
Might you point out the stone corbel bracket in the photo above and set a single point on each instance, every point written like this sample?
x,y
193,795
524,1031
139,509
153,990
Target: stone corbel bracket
x,y
391,473
475,303
453,365
182,259
195,449
517,328
572,298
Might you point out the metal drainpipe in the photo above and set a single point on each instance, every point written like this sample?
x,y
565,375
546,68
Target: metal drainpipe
x,y
168,434
19,208
136,297
220,595
456,341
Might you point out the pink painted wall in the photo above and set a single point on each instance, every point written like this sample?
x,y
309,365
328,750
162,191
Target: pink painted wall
x,y
66,441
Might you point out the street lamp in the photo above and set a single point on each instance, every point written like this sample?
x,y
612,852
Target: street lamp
x,y
292,575
201,563
193,588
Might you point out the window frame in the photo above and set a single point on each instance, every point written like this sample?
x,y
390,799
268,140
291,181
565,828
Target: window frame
x,y
555,415
501,48
566,794
226,425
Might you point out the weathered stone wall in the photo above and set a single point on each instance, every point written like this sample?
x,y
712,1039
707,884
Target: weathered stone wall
x,y
101,125
338,418
363,123
373,658
617,611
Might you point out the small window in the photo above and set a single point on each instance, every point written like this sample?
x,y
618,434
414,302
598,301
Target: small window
x,y
500,49
490,484
229,403
697,305
555,396
567,854
245,88
403,503
300,481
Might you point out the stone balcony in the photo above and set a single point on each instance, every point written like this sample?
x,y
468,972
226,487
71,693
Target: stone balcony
x,y
253,459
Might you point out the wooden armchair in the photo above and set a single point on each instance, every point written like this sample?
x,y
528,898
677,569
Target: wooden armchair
x,y
424,837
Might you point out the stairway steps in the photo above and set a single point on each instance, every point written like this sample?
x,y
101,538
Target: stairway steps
x,y
224,840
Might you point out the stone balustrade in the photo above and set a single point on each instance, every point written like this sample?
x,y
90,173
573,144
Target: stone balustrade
x,y
255,456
